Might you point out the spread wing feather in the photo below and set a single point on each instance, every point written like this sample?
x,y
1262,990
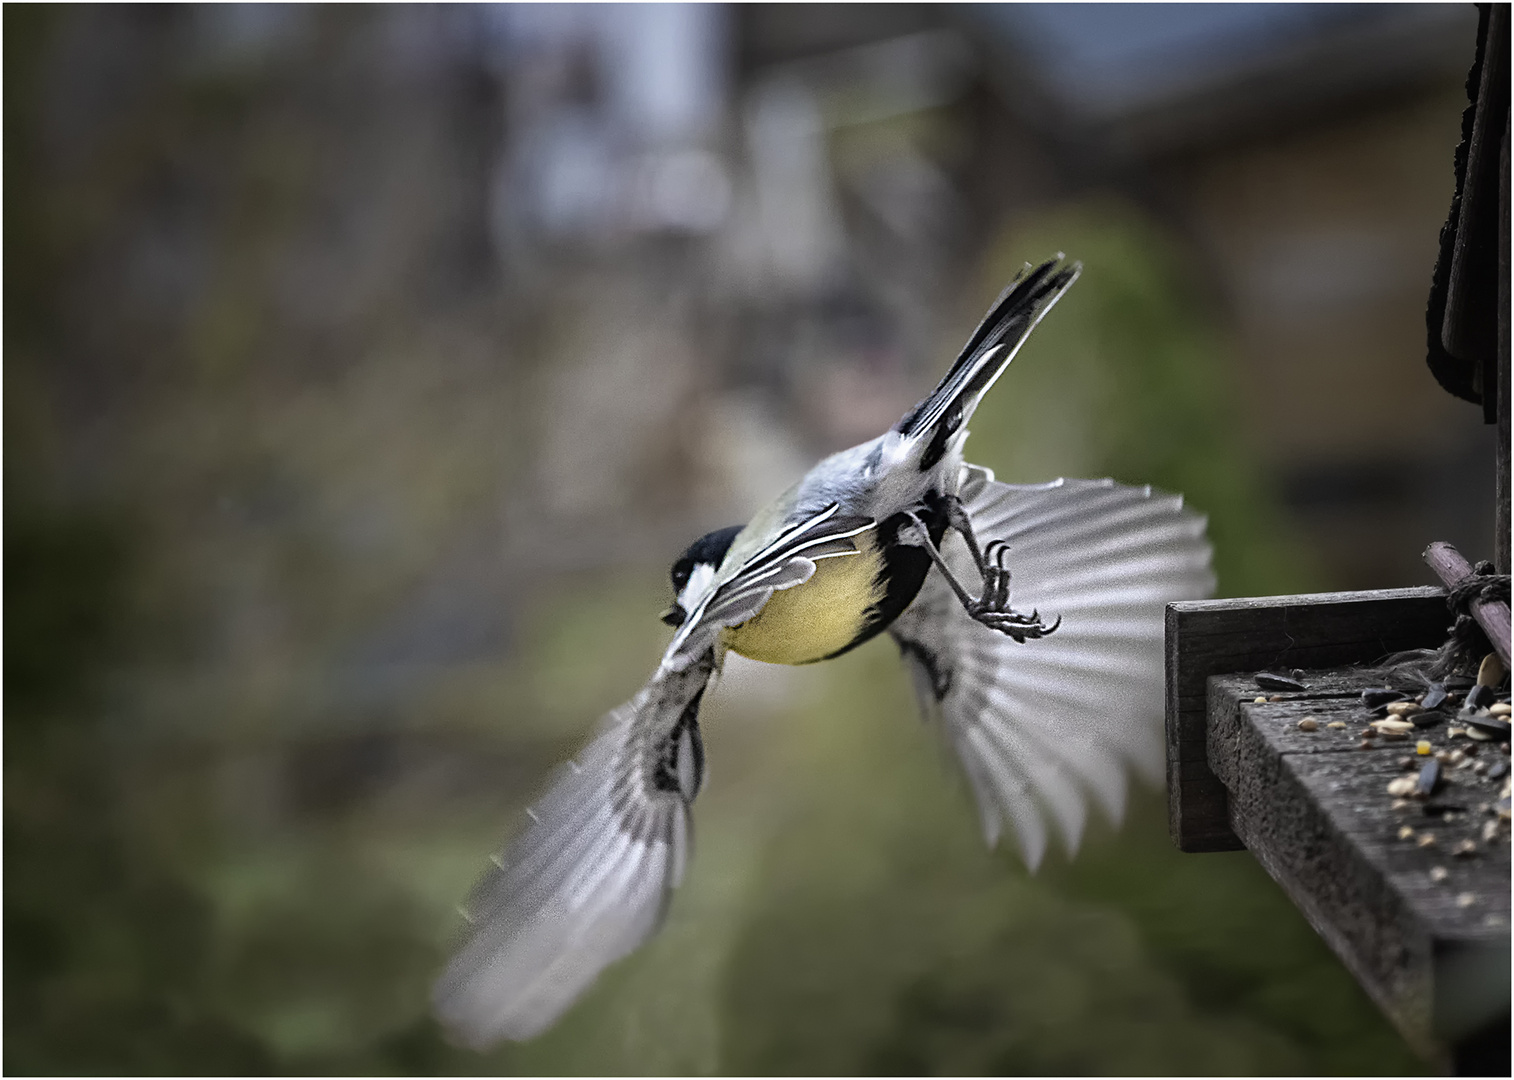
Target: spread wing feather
x,y
1045,727
587,879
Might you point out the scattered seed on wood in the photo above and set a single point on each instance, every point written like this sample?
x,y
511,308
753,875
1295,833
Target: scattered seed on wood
x,y
1260,699
1439,874
1401,786
1407,833
1423,748
1455,732
1403,708
1376,697
1466,899
1434,697
1498,770
1479,697
1271,680
1499,708
1465,849
1403,804
1425,719
1490,672
1489,831
1308,723
1397,727
1479,767
1336,724
1478,735
1425,840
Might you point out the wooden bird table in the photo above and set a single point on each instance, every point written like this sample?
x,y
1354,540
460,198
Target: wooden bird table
x,y
1411,893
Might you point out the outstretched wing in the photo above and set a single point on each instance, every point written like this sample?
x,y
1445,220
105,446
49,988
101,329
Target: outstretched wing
x,y
1041,728
587,880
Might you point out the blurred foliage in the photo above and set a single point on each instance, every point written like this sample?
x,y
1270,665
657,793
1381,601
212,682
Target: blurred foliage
x,y
841,915
1130,377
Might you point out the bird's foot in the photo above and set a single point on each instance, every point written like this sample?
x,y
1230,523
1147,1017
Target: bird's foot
x,y
992,609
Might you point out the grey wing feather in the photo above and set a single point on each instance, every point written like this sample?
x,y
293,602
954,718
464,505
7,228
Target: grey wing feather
x,y
1044,727
587,880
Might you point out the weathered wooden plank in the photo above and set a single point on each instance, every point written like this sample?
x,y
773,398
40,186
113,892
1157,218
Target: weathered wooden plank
x,y
1318,630
1425,931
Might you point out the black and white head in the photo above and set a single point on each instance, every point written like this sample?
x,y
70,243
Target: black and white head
x,y
695,568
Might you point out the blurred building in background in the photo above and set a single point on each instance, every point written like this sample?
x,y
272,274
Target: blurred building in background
x,y
366,367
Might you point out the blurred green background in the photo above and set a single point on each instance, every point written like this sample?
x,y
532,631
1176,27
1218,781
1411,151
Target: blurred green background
x,y
365,368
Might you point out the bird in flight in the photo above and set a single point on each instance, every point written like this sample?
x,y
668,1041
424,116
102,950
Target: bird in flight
x,y
1029,615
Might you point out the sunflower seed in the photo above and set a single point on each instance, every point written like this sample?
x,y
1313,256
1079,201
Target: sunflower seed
x,y
1429,779
1491,726
1268,680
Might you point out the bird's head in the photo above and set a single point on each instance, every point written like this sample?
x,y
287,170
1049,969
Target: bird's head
x,y
692,572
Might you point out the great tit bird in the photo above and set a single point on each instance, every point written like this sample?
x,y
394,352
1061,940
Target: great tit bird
x,y
1045,712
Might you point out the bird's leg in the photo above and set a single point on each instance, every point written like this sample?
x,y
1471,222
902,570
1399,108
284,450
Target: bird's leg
x,y
956,517
992,608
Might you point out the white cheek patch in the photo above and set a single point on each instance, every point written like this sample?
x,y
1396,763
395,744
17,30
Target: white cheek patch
x,y
698,584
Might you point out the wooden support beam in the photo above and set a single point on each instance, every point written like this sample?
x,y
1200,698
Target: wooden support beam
x,y
1491,615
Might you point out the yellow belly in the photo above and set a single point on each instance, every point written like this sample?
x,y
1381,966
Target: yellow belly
x,y
811,621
